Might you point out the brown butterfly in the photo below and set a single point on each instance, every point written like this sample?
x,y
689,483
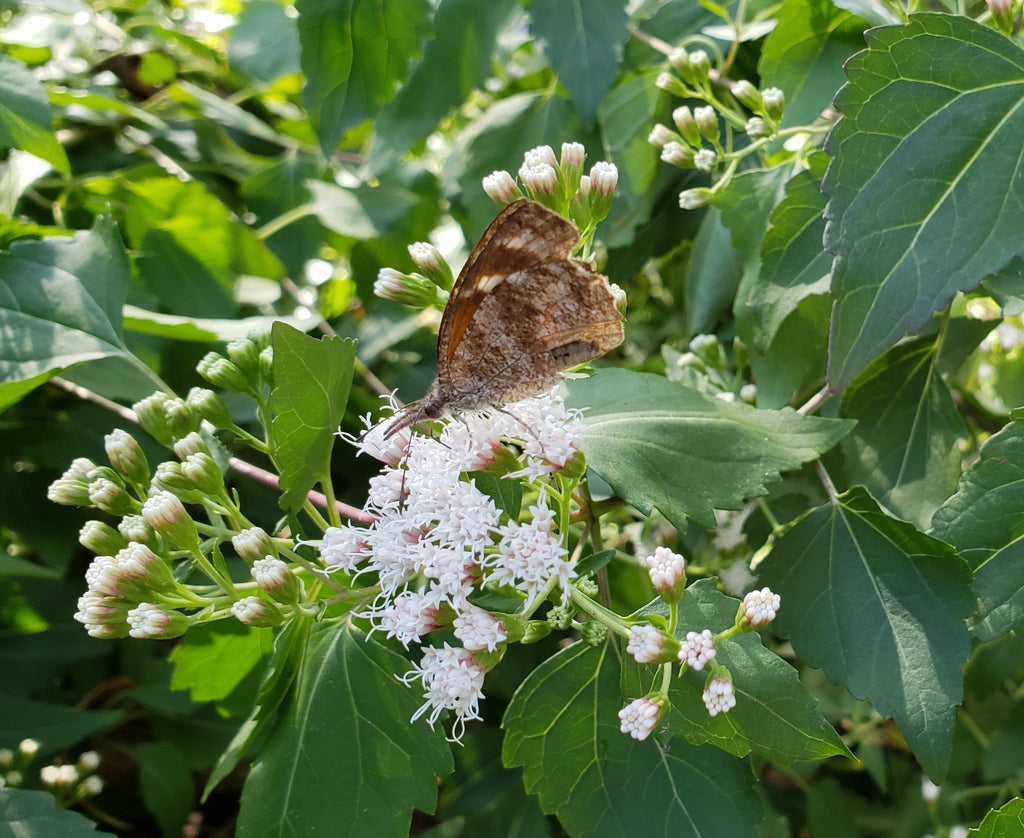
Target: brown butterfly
x,y
521,312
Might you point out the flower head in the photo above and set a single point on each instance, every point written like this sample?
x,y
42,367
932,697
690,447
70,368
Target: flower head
x,y
639,718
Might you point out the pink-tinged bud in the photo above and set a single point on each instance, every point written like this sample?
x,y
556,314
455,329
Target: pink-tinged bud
x,y
542,155
639,718
407,289
433,265
677,155
275,578
501,188
698,650
146,567
253,543
126,457
166,514
604,177
668,573
719,696
649,644
103,616
151,622
193,443
570,167
69,492
253,611
540,182
111,497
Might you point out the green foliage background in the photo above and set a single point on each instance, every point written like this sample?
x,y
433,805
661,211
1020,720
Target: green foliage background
x,y
178,175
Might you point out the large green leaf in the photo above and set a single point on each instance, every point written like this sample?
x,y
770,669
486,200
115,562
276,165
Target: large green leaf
x,y
881,608
926,188
905,448
659,444
562,727
355,53
166,783
212,659
804,56
455,62
25,115
34,814
986,512
344,758
60,305
793,264
54,726
312,379
774,716
999,587
265,42
1005,822
584,45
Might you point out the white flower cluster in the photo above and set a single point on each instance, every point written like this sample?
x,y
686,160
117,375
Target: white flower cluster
x,y
437,538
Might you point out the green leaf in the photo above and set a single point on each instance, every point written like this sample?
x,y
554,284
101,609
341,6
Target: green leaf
x,y
804,56
1007,287
562,727
881,608
312,379
793,264
926,188
455,62
999,587
584,45
1005,822
905,448
191,248
774,716
265,42
53,725
214,658
60,305
26,119
355,53
34,814
289,646
715,271
506,494
167,784
202,329
795,362
986,514
662,445
344,754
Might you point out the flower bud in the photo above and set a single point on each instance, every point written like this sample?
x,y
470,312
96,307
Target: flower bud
x,y
570,167
153,418
103,616
433,265
1002,15
757,128
253,611
100,538
89,761
149,621
593,633
253,543
604,177
189,444
134,528
640,717
207,405
699,70
27,749
501,188
707,122
683,118
407,289
668,573
719,696
649,644
748,95
694,198
203,472
275,578
677,155
705,160
244,353
166,514
69,492
90,786
223,373
679,59
660,134
267,363
540,182
774,102
126,457
758,608
670,84
180,418
6,758
111,497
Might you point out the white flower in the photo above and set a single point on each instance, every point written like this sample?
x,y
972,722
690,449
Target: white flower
x,y
406,617
148,621
452,680
345,547
760,607
478,629
705,160
646,643
665,568
698,649
719,697
639,717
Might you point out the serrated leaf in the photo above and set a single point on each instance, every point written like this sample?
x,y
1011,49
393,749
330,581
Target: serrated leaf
x,y
347,716
60,305
659,444
926,188
289,646
999,587
584,45
905,448
212,659
355,53
881,608
26,120
54,726
793,264
985,514
455,62
774,716
312,379
34,814
804,56
1005,822
562,727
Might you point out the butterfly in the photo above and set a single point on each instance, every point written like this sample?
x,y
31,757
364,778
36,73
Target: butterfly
x,y
521,311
